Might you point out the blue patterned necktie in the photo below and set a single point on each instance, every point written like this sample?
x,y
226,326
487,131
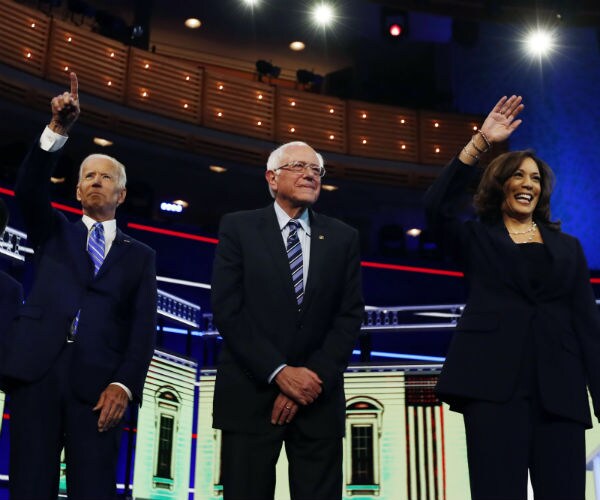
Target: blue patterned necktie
x,y
96,245
294,254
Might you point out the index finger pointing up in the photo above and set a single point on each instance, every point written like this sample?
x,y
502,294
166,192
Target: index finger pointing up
x,y
74,86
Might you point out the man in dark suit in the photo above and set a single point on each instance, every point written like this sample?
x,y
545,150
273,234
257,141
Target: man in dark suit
x,y
83,341
11,292
286,297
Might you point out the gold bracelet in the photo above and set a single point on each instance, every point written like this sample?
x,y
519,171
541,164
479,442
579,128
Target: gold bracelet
x,y
475,157
487,141
472,142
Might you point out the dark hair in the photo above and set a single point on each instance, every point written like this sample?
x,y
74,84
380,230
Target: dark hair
x,y
490,192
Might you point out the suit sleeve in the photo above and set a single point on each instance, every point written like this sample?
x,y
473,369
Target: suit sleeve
x,y
444,201
33,193
134,367
332,358
256,354
586,322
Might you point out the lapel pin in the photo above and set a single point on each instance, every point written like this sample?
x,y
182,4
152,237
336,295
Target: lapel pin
x,y
321,237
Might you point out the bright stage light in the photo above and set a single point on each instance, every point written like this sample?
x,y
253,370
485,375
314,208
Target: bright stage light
x,y
323,15
540,42
251,3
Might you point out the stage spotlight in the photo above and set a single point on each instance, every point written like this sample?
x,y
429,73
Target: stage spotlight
x,y
265,68
80,7
112,26
323,15
540,42
251,3
305,76
393,24
309,80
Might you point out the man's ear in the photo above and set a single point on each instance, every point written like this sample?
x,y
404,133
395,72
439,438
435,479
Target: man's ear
x,y
271,179
122,196
78,193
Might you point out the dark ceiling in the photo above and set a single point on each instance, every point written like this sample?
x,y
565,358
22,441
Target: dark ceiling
x,y
355,41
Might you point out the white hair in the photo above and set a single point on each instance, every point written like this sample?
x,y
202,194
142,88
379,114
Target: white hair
x,y
119,167
274,160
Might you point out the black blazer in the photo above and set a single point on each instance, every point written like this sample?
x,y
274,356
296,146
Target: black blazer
x,y
256,312
11,298
486,352
117,324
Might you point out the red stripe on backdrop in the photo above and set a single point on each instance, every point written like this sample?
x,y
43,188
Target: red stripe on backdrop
x,y
411,269
214,241
169,232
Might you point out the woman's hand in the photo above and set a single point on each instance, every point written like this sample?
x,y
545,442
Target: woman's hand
x,y
502,122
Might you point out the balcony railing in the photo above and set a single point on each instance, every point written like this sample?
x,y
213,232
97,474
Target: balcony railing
x,y
204,95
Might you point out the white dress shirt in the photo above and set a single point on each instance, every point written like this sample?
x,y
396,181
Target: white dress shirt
x,y
304,237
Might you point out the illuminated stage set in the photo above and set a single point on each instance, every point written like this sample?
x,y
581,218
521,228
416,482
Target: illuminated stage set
x,y
193,125
401,441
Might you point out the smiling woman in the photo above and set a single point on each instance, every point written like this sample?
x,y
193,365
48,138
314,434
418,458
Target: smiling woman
x,y
516,187
528,342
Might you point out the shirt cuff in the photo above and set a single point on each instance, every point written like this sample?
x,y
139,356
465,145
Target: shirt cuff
x,y
124,387
51,141
275,372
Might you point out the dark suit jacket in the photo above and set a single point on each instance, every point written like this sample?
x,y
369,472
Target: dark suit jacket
x,y
256,312
11,297
117,324
485,355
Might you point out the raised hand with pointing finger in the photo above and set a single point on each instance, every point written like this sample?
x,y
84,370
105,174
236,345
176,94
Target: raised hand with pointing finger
x,y
65,108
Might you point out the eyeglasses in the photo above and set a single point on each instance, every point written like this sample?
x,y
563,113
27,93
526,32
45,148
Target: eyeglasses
x,y
298,167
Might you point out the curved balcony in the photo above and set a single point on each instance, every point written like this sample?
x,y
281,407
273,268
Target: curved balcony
x,y
369,142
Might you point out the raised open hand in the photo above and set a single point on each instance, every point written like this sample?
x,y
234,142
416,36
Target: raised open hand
x,y
65,108
502,122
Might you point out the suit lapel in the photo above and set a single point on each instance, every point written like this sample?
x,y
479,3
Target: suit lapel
x,y
268,229
118,248
78,250
318,244
561,265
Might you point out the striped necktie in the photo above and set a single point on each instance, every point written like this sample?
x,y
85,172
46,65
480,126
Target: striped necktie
x,y
96,245
294,254
95,248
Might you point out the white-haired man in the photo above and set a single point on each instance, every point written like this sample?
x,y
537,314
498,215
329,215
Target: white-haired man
x,y
80,348
287,300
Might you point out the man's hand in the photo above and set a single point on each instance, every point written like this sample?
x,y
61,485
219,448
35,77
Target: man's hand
x,y
299,383
112,405
65,108
284,410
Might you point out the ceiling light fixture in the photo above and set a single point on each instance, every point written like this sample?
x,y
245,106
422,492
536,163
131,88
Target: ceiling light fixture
x,y
540,43
217,169
323,15
99,141
297,46
193,23
329,187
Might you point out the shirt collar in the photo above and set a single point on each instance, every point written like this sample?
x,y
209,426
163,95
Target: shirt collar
x,y
110,226
283,218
